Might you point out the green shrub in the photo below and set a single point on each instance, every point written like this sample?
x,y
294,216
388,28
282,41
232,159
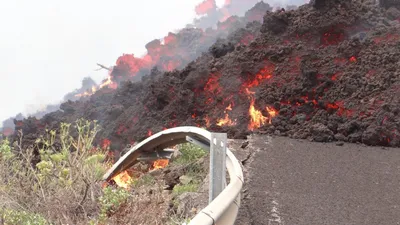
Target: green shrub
x,y
11,217
111,201
64,185
189,154
183,188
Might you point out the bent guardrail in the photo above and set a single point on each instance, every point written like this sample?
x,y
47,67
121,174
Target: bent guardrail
x,y
223,208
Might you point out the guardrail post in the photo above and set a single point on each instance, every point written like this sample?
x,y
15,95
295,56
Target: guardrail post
x,y
217,164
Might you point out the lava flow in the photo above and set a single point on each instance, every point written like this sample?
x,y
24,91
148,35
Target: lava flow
x,y
257,119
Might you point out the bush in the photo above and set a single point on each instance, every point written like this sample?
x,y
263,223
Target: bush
x,y
11,217
190,154
64,186
59,181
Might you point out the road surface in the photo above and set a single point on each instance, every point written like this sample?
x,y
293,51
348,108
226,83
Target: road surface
x,y
296,182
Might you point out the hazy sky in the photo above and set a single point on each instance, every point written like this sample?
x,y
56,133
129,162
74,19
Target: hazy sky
x,y
47,46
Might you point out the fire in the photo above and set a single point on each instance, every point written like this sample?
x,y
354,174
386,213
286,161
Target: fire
x,y
87,93
272,113
123,179
226,121
108,82
161,163
256,117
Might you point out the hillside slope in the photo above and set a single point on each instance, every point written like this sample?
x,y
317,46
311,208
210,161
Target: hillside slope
x,y
324,74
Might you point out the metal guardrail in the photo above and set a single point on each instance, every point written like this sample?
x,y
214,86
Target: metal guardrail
x,y
223,208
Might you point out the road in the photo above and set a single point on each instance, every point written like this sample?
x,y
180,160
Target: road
x,y
296,182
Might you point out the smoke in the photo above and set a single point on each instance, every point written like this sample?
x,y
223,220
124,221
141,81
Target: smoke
x,y
210,14
191,38
41,110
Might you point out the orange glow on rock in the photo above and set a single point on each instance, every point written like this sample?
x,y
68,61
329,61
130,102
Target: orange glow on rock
x,y
353,59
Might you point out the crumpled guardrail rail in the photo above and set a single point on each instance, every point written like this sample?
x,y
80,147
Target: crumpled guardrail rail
x,y
224,208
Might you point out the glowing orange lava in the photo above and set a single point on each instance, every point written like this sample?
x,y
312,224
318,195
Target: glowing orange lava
x,y
353,59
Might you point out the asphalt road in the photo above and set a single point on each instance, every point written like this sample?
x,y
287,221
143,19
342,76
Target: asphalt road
x,y
295,182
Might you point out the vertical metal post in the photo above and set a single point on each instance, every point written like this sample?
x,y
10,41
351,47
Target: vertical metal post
x,y
217,164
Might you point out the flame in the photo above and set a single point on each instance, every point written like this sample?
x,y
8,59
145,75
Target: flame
x,y
226,121
123,179
256,117
161,163
272,113
107,82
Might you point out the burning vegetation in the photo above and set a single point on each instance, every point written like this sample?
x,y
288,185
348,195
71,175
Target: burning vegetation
x,y
127,177
320,72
